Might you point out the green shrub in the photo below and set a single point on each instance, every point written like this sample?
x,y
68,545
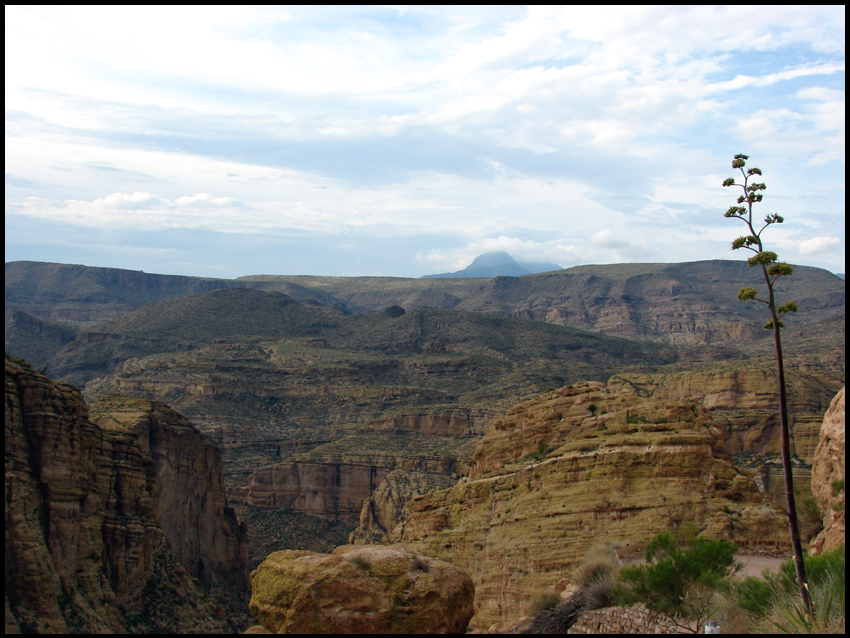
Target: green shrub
x,y
819,569
679,582
754,595
788,615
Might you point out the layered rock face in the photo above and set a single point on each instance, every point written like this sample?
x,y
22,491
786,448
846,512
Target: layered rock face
x,y
828,477
744,401
114,523
335,490
576,467
360,589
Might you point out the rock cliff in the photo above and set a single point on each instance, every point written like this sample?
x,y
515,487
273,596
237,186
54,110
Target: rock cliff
x,y
114,522
828,477
575,467
742,402
743,399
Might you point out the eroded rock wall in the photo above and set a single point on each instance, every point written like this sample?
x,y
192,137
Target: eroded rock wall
x,y
573,468
744,401
828,475
114,526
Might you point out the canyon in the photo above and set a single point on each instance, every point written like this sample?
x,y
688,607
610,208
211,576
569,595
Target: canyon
x,y
455,413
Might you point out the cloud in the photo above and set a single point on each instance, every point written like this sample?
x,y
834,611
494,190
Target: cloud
x,y
565,134
817,245
605,239
129,201
205,199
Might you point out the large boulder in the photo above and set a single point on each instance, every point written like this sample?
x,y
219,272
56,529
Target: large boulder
x,y
828,477
360,589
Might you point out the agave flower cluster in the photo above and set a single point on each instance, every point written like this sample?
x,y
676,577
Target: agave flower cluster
x,y
768,260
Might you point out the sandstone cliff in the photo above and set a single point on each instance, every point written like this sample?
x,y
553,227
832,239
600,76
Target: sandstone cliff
x,y
828,477
114,523
575,467
743,401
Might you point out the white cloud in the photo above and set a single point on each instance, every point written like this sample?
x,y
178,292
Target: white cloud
x,y
531,130
128,201
817,245
605,239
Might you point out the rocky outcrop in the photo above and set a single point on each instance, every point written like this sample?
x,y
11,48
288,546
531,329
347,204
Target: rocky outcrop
x,y
828,477
360,589
385,507
114,523
575,467
190,505
744,401
335,491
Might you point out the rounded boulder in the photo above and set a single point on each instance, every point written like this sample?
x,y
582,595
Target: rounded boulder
x,y
360,589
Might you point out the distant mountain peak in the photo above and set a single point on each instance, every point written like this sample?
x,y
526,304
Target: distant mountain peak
x,y
496,264
488,260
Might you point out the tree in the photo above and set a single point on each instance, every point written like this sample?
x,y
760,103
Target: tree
x,y
679,582
772,269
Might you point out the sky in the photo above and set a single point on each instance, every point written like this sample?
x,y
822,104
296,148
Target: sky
x,y
405,141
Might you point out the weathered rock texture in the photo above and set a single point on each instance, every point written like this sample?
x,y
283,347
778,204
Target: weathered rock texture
x,y
744,402
333,490
828,477
360,589
385,508
116,523
575,467
619,620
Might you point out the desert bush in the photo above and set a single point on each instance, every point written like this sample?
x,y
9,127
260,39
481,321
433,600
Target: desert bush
x,y
773,604
679,582
420,564
543,602
752,595
596,576
788,614
829,566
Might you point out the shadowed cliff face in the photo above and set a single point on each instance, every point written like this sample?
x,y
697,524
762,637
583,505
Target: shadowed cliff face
x,y
113,523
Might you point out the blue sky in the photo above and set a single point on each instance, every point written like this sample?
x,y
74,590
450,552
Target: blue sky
x,y
407,141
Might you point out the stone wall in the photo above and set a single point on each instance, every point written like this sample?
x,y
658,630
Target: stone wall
x,y
619,620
